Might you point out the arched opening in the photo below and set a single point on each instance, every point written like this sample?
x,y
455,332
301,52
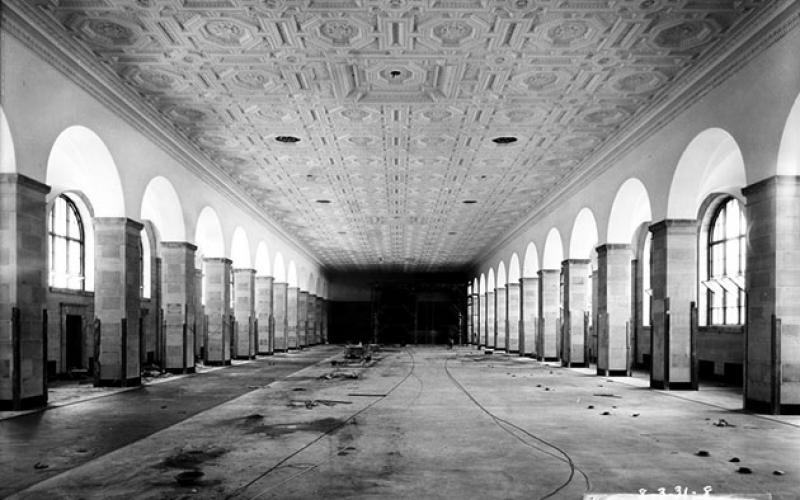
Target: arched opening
x,y
8,160
530,264
79,161
553,250
162,206
631,207
279,268
789,151
210,243
262,260
240,249
291,275
501,275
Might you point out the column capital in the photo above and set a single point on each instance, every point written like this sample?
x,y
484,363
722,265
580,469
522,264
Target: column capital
x,y
548,272
528,279
128,223
244,270
665,224
575,262
759,187
179,244
606,248
218,260
24,180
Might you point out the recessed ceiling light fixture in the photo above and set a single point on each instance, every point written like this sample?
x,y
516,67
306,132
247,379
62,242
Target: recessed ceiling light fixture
x,y
506,139
287,139
323,201
469,202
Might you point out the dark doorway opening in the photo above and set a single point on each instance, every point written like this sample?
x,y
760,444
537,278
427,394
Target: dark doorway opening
x,y
74,335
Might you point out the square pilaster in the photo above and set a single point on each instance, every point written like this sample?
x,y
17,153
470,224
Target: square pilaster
x,y
263,311
23,287
218,311
501,323
512,316
673,280
529,315
547,338
576,281
280,321
244,336
117,303
614,308
491,324
292,310
178,289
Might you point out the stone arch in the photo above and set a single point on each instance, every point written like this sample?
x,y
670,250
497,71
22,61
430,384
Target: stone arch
x,y
279,268
262,259
513,269
208,234
240,249
711,163
553,250
530,265
490,283
501,275
162,206
583,239
630,208
291,275
8,159
80,161
789,149
482,284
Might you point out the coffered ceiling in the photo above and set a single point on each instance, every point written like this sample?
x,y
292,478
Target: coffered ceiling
x,y
396,103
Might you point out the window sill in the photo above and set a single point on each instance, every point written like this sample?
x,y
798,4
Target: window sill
x,y
70,291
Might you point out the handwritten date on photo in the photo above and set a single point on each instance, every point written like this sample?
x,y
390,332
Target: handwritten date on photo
x,y
678,492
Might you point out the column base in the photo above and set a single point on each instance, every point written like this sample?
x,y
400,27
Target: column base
x,y
244,357
266,353
765,407
131,382
31,403
674,386
180,371
218,363
547,358
569,364
612,373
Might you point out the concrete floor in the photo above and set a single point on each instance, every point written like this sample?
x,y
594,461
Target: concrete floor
x,y
419,423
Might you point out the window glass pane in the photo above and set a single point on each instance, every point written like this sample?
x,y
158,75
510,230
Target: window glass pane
x,y
718,231
717,260
732,257
60,216
732,217
73,229
60,256
716,316
74,258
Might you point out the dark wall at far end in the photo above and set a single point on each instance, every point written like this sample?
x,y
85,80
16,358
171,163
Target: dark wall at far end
x,y
397,308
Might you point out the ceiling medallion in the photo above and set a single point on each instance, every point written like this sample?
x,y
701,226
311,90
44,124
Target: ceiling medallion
x,y
469,202
452,32
338,31
324,202
111,32
684,35
287,139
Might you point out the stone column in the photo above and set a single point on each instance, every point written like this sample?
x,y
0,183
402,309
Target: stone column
x,y
218,311
311,319
263,311
593,343
529,316
673,280
279,317
318,313
547,336
614,308
501,310
325,318
23,287
576,278
772,281
302,318
199,316
292,304
476,319
244,338
178,277
469,317
491,324
513,316
116,300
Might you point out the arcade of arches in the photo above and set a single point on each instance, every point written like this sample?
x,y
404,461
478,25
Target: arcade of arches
x,y
678,256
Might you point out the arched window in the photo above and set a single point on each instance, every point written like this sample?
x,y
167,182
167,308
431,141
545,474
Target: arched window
x,y
145,263
726,265
67,245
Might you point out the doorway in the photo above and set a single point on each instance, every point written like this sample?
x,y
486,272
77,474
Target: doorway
x,y
74,340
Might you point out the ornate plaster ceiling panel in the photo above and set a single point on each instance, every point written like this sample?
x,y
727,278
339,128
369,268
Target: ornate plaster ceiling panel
x,y
395,102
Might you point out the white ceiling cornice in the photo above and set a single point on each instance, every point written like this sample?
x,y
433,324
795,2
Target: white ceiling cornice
x,y
24,21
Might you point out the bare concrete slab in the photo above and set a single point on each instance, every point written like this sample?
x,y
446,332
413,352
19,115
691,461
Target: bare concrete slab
x,y
435,423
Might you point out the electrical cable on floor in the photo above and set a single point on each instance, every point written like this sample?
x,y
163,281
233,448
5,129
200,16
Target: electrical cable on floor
x,y
498,421
330,431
